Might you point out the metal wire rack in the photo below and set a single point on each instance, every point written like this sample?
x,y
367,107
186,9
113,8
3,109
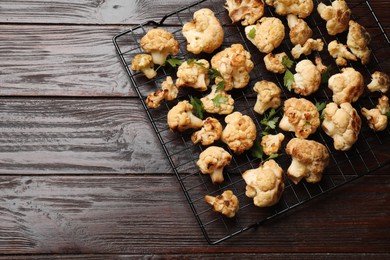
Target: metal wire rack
x,y
182,154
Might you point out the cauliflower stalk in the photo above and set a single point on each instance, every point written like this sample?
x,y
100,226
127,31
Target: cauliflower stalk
x,y
341,53
204,33
218,102
347,86
265,184
226,203
301,8
246,11
337,16
376,117
159,43
358,40
300,32
181,118
268,96
193,73
380,82
209,133
212,161
144,63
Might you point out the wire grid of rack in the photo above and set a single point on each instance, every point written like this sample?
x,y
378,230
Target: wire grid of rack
x,y
182,154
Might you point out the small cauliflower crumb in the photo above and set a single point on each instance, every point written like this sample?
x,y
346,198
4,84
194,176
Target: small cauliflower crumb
x,y
218,102
380,82
268,96
181,118
212,161
340,52
272,143
210,132
309,46
226,203
193,74
273,62
347,86
358,40
337,16
246,11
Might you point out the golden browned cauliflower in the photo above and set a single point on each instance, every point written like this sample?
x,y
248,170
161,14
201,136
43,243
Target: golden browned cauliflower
x,y
234,64
309,46
212,161
267,34
264,184
226,203
144,63
218,102
271,143
268,96
168,92
273,62
239,133
309,160
337,16
380,82
193,74
154,99
307,78
300,116
301,8
246,11
358,40
376,117
210,132
347,86
159,43
300,32
205,33
342,124
180,117
340,52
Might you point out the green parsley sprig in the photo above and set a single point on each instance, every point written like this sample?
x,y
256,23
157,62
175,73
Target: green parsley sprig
x,y
288,78
198,107
252,33
269,121
219,99
257,152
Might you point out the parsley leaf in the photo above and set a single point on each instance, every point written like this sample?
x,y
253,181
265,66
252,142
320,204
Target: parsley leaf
x,y
287,62
220,86
194,61
257,150
288,79
197,104
219,99
269,121
216,74
174,62
320,106
388,114
252,33
273,156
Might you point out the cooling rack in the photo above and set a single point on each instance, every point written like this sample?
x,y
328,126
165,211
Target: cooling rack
x,y
182,154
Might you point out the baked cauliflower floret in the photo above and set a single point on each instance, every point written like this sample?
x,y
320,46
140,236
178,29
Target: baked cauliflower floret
x,y
307,78
144,63
376,117
300,116
239,133
180,117
380,82
267,34
358,40
337,16
159,43
210,132
309,46
226,203
342,124
340,52
274,62
154,99
264,184
383,105
168,92
212,161
300,32
218,102
347,86
234,64
205,33
301,8
271,143
309,160
193,74
246,11
268,96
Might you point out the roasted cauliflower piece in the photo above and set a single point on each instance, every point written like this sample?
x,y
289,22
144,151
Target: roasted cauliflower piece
x,y
159,43
264,184
226,203
144,63
300,32
180,117
301,8
212,161
239,133
300,116
271,143
307,78
347,86
234,64
268,96
358,40
246,11
337,16
380,82
309,46
274,62
267,34
204,33
154,99
309,160
218,102
340,52
376,117
193,74
209,133
342,124
168,92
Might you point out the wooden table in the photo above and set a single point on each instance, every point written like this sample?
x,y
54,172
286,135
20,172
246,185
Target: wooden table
x,y
82,174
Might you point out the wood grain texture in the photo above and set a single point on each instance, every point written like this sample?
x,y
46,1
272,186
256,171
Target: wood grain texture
x,y
54,136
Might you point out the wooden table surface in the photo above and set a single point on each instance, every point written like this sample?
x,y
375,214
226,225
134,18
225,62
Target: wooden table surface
x,y
83,175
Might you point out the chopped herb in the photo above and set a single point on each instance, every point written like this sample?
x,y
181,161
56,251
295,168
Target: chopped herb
x,y
257,150
273,156
220,86
213,75
195,61
219,99
269,121
388,114
252,33
320,106
174,62
197,104
287,62
288,79
325,76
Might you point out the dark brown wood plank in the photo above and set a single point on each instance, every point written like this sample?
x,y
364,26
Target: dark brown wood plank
x,y
74,136
139,214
